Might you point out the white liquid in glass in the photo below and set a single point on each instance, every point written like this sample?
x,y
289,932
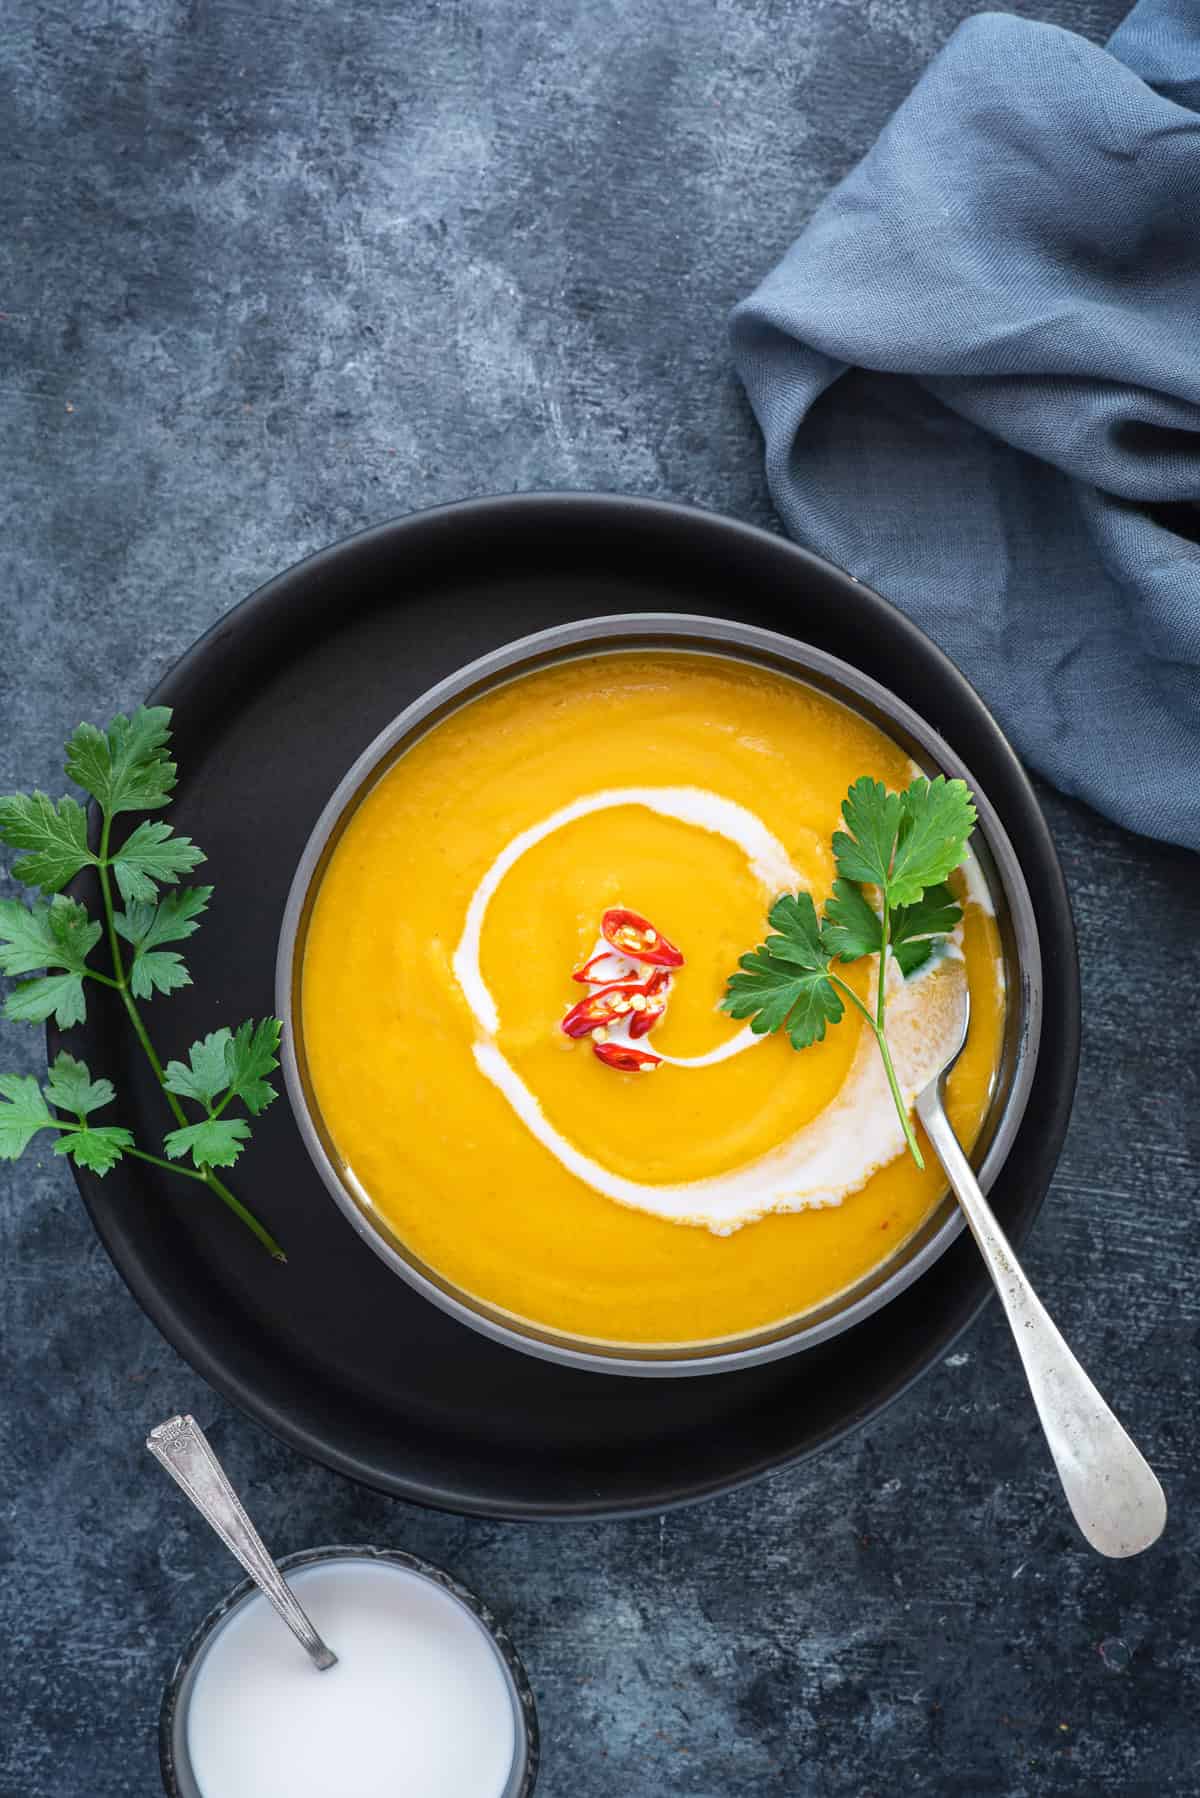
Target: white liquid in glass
x,y
418,1705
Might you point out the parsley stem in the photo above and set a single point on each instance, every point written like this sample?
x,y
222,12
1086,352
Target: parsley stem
x,y
135,1018
910,1136
172,1167
204,1174
885,939
854,999
122,984
248,1218
207,1178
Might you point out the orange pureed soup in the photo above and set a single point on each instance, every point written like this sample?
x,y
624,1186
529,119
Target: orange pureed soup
x,y
437,971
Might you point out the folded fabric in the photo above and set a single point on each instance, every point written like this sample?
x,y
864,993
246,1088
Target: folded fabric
x,y
977,373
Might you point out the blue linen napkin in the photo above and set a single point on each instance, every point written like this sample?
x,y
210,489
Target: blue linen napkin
x,y
977,373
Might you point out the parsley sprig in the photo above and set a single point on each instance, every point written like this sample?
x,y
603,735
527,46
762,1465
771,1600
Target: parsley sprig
x,y
890,898
126,768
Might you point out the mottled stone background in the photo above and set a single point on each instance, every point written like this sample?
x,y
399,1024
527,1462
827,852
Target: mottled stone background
x,y
276,270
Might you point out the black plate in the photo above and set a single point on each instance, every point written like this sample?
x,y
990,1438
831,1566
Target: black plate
x,y
333,1353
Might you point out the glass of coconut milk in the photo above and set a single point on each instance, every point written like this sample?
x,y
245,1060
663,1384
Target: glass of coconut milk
x,y
428,1698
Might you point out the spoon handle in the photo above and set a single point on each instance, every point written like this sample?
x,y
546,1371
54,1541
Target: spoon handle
x,y
1113,1493
183,1449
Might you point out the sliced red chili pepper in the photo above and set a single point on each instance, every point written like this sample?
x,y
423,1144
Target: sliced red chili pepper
x,y
643,1018
595,973
607,1006
631,934
625,1057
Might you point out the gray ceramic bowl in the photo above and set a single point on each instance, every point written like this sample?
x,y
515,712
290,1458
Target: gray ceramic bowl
x,y
994,852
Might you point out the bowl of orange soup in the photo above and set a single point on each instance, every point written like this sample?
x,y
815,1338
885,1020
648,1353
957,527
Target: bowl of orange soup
x,y
464,885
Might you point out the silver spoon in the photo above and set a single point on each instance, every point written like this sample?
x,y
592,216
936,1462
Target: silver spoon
x,y
183,1448
1113,1493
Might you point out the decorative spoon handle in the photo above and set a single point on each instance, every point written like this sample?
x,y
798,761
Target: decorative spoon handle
x,y
183,1448
1113,1493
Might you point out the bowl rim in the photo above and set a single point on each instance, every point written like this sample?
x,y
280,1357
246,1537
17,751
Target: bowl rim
x,y
608,634
175,1768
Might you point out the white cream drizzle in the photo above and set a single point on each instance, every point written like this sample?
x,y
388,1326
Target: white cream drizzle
x,y
978,891
745,1039
830,1157
691,805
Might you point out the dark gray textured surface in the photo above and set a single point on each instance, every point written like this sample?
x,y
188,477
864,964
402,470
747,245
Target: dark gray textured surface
x,y
276,271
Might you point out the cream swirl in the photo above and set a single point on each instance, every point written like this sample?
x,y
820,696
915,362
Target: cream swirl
x,y
767,856
828,1158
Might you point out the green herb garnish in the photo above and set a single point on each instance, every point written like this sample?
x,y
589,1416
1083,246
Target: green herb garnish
x,y
126,768
890,898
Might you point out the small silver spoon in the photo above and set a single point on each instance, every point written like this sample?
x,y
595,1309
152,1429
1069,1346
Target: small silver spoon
x,y
1113,1493
183,1448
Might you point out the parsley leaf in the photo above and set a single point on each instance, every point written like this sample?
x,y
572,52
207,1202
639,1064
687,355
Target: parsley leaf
x,y
794,917
249,1058
938,818
98,1148
214,1142
785,984
158,971
59,996
911,956
205,1074
853,928
125,768
903,842
55,834
152,853
72,1088
23,1112
170,921
872,815
914,927
54,935
225,1066
144,927
59,937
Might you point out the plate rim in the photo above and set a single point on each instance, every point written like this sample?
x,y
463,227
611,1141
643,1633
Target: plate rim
x,y
178,680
